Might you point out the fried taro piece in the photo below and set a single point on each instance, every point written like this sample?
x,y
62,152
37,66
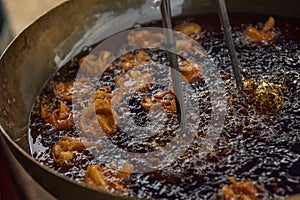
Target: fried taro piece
x,y
267,33
135,80
72,89
93,65
106,116
64,150
265,96
131,60
190,71
64,90
144,39
244,190
165,99
108,178
188,28
99,118
60,118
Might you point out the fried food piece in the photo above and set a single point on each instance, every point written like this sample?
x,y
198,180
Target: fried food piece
x,y
68,90
130,60
144,39
64,90
138,79
105,116
93,65
89,124
190,47
165,99
61,118
125,171
188,28
108,178
105,89
134,80
134,77
102,93
190,71
244,190
99,118
64,150
267,33
265,96
148,103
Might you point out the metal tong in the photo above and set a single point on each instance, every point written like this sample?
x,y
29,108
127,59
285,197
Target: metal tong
x,y
223,15
165,8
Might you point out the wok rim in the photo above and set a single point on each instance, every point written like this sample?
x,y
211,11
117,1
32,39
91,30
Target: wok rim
x,y
13,146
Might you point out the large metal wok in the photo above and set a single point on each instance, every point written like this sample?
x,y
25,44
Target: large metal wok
x,y
52,40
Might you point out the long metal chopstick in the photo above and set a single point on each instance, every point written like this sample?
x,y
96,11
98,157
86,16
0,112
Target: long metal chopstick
x,y
165,8
223,15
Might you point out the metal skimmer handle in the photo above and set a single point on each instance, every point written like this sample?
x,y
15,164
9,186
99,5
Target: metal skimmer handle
x,y
172,57
223,15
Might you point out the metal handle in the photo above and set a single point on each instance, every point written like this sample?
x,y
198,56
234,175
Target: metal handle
x,y
223,15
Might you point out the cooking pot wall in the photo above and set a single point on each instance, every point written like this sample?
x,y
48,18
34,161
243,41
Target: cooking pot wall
x,y
52,40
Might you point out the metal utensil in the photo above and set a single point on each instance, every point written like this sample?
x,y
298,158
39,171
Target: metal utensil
x,y
172,57
224,19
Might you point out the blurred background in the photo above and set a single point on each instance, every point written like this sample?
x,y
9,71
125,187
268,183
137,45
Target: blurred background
x,y
21,13
16,15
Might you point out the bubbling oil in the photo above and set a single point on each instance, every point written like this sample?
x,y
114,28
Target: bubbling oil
x,y
260,147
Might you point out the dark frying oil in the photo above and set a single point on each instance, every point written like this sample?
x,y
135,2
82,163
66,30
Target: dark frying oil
x,y
264,148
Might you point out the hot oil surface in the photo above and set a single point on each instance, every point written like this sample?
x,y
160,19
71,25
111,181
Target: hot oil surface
x,y
259,147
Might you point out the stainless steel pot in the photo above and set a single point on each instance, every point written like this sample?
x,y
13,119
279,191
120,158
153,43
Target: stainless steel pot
x,y
51,41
